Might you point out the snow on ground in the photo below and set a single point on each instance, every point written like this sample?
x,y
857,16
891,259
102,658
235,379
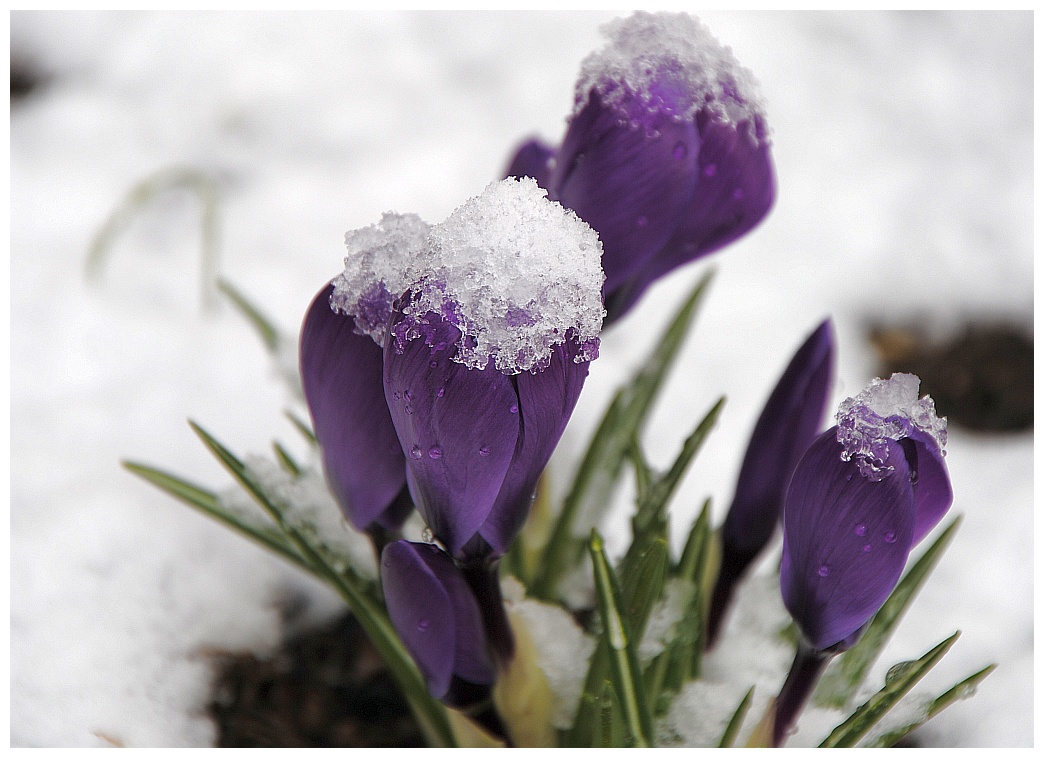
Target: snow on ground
x,y
903,144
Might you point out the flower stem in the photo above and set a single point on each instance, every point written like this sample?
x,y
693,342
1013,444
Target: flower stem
x,y
483,576
804,674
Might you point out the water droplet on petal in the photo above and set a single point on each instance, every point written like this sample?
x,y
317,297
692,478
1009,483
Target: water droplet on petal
x,y
860,529
889,537
642,222
867,547
408,395
824,570
397,395
422,625
441,392
435,452
484,451
427,535
433,364
409,410
710,170
680,151
514,409
415,452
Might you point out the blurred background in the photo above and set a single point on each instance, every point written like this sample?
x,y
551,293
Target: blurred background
x,y
904,151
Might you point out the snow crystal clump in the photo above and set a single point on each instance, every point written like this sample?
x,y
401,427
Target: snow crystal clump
x,y
885,410
649,53
563,650
376,270
516,273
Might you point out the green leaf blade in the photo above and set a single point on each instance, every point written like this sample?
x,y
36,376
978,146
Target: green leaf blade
x,y
901,678
623,654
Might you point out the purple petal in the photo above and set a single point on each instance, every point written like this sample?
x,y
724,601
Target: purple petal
x,y
341,375
735,191
785,429
533,159
455,425
846,540
436,615
933,493
545,403
632,182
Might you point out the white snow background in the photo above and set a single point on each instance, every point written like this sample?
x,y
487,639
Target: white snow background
x,y
903,145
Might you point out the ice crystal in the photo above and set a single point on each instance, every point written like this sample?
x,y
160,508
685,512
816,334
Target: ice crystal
x,y
888,409
677,53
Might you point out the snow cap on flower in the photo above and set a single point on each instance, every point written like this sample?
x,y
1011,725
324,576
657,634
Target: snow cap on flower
x,y
437,617
341,374
381,258
787,425
866,492
515,273
667,63
486,355
667,153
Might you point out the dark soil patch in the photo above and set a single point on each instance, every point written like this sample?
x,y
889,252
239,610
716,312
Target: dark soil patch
x,y
324,687
981,379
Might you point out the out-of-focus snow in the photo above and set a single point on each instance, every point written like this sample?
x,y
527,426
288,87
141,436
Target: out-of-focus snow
x,y
903,144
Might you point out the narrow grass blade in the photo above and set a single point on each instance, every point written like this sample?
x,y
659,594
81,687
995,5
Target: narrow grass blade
x,y
286,460
602,462
659,495
430,714
899,680
959,691
843,679
623,653
643,475
268,333
642,586
302,427
207,502
145,192
733,727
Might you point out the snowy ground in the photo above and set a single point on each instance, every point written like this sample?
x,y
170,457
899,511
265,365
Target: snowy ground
x,y
903,145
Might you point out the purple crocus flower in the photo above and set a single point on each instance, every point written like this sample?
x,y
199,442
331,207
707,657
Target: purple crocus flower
x,y
785,429
667,153
487,321
862,497
439,621
341,376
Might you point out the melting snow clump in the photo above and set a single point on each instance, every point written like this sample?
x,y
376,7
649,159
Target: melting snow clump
x,y
514,272
376,270
649,53
884,411
563,649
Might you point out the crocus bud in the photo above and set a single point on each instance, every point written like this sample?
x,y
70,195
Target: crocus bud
x,y
783,432
862,497
341,375
667,152
497,317
438,619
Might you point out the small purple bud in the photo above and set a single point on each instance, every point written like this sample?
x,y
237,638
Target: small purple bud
x,y
438,619
785,429
880,469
